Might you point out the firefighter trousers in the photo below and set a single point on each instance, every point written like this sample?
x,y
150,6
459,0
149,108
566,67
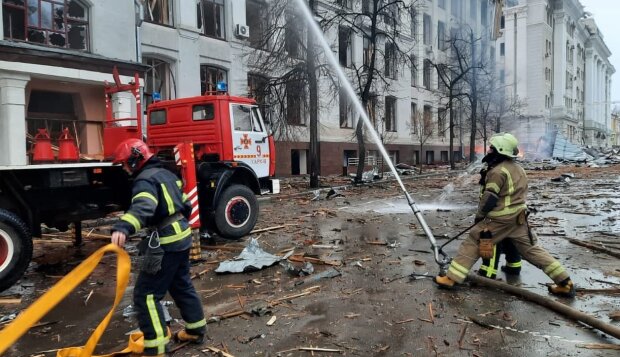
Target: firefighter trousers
x,y
489,267
173,277
502,228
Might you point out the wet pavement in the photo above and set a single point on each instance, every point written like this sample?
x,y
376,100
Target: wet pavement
x,y
374,308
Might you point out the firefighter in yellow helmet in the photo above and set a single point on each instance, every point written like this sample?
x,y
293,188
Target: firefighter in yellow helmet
x,y
502,213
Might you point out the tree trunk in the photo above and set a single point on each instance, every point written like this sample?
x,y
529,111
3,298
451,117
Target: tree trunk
x,y
474,103
312,88
361,148
451,153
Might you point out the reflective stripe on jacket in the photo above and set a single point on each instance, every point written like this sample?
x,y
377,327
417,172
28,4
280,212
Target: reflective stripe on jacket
x,y
509,182
156,194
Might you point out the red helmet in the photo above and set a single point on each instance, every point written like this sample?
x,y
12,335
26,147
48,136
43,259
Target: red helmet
x,y
133,152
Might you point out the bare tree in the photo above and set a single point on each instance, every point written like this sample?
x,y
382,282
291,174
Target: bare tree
x,y
379,23
453,73
421,129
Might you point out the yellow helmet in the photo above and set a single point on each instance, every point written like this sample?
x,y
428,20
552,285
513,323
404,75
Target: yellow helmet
x,y
505,144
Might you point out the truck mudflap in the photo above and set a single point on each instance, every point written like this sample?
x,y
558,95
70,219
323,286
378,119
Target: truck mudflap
x,y
15,248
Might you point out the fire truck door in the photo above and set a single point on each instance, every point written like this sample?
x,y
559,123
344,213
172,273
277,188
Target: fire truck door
x,y
249,137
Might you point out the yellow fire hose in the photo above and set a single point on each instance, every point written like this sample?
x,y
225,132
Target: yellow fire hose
x,y
58,292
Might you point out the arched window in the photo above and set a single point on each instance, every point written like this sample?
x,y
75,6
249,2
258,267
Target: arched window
x,y
60,23
157,79
210,76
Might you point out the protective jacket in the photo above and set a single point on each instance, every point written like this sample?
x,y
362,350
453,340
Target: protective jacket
x,y
157,202
505,191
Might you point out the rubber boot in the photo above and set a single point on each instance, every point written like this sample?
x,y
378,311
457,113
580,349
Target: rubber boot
x,y
444,282
183,336
566,289
511,270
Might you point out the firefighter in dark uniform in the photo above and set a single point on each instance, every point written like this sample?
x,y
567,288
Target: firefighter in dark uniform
x,y
158,203
502,214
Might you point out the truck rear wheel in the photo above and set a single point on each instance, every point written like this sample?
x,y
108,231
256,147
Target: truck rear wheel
x,y
236,212
15,248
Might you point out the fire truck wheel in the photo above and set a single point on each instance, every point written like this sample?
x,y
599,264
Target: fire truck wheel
x,y
236,212
15,248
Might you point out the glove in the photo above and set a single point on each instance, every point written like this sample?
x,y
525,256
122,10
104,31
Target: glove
x,y
478,219
483,176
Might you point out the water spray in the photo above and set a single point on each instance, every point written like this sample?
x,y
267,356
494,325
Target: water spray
x,y
440,256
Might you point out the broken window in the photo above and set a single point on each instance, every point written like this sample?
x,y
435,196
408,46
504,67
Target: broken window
x,y
158,12
258,88
294,34
210,76
390,60
368,51
426,74
60,23
157,79
428,120
257,19
211,18
390,114
295,95
344,46
346,109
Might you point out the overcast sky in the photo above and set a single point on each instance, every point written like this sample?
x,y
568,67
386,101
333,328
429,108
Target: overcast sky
x,y
606,13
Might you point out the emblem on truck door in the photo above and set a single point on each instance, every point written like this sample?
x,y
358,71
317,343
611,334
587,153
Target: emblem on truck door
x,y
246,141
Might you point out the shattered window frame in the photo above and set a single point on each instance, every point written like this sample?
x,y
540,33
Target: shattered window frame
x,y
209,76
54,23
158,78
159,12
212,18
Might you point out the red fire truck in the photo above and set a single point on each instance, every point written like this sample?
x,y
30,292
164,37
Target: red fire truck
x,y
217,143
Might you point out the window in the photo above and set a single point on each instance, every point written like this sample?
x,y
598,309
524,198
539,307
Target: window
x,y
502,49
390,12
441,36
59,23
390,114
441,122
158,117
390,60
157,79
158,12
203,112
347,4
211,18
210,76
442,4
426,23
455,8
293,34
258,88
502,76
368,51
257,18
502,22
426,75
368,7
428,120
371,109
393,154
295,95
245,118
413,22
414,118
346,109
483,13
414,70
473,9
344,46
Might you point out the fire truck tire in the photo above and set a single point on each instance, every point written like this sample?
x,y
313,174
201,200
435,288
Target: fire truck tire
x,y
15,248
236,212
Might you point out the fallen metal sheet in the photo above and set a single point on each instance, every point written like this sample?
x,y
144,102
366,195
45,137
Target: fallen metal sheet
x,y
252,258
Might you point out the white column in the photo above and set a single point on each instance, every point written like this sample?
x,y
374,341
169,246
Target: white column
x,y
13,118
589,86
559,61
521,55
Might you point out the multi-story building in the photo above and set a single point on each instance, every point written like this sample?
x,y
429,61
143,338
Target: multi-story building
x,y
54,58
553,60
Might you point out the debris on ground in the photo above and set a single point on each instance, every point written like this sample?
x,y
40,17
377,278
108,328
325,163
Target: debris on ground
x,y
251,258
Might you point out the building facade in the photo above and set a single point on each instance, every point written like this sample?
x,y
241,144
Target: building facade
x,y
553,60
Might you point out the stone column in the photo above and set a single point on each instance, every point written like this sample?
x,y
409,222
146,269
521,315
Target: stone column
x,y
13,118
